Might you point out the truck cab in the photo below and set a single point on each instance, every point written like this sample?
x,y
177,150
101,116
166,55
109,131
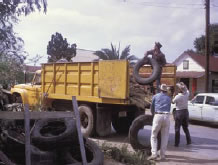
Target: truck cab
x,y
29,93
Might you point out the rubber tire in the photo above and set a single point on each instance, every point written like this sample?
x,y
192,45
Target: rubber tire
x,y
138,124
155,71
122,124
51,141
15,150
94,154
89,129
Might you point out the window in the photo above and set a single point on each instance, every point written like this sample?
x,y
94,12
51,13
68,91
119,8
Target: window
x,y
215,86
185,64
199,100
209,100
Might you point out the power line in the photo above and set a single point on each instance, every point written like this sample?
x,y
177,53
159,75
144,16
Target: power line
x,y
169,5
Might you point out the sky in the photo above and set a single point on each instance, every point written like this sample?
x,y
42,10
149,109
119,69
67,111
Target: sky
x,y
95,24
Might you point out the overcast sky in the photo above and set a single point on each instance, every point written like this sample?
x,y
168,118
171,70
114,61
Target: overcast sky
x,y
94,24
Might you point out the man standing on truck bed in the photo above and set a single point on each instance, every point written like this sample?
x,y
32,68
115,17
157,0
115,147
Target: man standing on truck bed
x,y
160,58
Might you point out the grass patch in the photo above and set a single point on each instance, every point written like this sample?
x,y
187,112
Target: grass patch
x,y
124,156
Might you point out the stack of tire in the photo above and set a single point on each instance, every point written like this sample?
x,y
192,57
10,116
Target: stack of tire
x,y
53,142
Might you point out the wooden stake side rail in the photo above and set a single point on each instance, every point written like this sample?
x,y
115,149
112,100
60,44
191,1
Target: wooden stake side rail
x,y
35,115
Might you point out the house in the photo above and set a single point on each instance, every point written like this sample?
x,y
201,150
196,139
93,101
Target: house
x,y
191,71
83,55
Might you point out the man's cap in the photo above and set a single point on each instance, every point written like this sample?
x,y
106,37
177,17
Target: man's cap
x,y
158,44
164,87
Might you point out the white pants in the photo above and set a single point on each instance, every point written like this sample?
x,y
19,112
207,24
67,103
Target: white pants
x,y
160,122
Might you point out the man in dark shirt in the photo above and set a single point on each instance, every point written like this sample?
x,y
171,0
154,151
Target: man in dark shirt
x,y
160,58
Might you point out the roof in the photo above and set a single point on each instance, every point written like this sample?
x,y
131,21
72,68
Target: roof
x,y
83,55
209,94
189,74
32,69
200,59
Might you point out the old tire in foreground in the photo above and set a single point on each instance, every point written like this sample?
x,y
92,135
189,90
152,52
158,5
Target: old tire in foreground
x,y
51,133
138,124
94,155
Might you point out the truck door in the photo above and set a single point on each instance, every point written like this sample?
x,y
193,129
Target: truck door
x,y
208,112
195,108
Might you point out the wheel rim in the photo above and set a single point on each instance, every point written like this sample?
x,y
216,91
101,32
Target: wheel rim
x,y
84,120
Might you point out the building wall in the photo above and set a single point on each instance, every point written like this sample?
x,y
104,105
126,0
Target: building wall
x,y
193,65
200,84
213,76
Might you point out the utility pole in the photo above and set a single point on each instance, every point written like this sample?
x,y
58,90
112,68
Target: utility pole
x,y
207,43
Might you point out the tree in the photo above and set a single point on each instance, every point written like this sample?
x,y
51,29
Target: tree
x,y
199,43
59,48
12,54
10,11
114,54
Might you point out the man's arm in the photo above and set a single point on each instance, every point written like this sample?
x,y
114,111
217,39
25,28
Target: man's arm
x,y
153,106
150,52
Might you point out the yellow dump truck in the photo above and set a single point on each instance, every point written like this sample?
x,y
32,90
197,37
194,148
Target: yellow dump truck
x,y
101,89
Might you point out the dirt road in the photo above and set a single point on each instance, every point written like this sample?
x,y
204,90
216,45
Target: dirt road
x,y
203,150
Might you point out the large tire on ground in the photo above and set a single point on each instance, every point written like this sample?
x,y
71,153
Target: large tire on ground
x,y
52,133
155,71
122,124
138,124
94,155
87,119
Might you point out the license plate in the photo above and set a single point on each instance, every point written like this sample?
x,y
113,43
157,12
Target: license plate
x,y
122,114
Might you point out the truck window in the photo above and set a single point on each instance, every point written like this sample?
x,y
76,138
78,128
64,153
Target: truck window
x,y
37,79
209,100
199,100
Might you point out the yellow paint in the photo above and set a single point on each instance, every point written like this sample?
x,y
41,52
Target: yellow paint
x,y
99,82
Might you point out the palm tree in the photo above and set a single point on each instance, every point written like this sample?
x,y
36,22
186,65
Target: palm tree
x,y
114,54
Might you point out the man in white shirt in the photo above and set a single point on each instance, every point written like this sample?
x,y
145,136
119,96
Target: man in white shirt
x,y
181,114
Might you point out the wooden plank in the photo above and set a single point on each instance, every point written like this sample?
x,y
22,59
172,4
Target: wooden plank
x,y
27,134
34,115
78,126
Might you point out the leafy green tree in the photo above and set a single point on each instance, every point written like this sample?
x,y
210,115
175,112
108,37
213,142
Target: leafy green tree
x,y
12,54
199,43
58,48
114,54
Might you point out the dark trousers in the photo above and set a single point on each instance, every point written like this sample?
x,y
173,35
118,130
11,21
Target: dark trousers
x,y
181,119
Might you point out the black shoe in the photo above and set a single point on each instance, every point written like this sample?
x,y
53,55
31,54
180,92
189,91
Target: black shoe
x,y
188,143
176,145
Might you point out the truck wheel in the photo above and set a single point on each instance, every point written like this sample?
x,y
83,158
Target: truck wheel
x,y
87,120
155,71
17,98
122,124
138,124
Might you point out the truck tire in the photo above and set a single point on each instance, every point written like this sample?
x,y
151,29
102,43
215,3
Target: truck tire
x,y
155,71
122,124
51,133
138,124
87,119
94,155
